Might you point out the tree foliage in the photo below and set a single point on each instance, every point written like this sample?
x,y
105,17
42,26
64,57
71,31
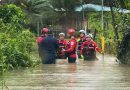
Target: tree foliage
x,y
15,41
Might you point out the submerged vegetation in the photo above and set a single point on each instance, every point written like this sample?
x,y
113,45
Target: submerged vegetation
x,y
16,42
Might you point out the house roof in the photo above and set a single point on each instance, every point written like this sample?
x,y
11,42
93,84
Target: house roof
x,y
95,7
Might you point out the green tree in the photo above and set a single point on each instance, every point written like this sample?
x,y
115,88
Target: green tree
x,y
37,11
15,41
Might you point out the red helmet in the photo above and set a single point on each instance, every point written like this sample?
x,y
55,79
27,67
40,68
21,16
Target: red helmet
x,y
44,30
71,32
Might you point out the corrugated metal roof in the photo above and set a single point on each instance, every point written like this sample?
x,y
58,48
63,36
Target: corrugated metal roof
x,y
94,7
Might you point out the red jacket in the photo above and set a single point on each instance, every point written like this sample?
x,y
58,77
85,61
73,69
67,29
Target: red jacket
x,y
71,48
80,41
40,38
91,45
62,43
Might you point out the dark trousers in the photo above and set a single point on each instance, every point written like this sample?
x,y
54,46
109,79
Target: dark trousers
x,y
71,60
60,56
48,58
40,52
79,55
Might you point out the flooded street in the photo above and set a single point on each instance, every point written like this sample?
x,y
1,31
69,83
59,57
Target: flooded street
x,y
84,75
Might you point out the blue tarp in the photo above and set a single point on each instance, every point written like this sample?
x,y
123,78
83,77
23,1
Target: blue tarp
x,y
94,7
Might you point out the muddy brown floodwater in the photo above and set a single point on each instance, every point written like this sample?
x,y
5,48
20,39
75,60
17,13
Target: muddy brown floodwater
x,y
84,75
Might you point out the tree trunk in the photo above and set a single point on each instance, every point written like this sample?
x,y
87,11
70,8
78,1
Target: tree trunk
x,y
37,28
94,36
114,22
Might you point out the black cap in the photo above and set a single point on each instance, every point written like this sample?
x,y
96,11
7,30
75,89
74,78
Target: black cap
x,y
50,32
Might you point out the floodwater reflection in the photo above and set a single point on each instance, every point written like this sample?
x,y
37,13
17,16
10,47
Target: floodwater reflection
x,y
83,75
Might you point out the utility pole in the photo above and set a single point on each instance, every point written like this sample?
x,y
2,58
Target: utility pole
x,y
83,9
84,24
102,16
102,38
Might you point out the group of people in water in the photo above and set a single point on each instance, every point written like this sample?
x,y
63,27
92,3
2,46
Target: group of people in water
x,y
51,48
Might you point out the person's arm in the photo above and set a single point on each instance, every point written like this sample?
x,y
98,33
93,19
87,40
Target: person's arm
x,y
39,40
57,45
82,46
96,47
81,51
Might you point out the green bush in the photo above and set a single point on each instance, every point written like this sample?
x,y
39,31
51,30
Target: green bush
x,y
16,42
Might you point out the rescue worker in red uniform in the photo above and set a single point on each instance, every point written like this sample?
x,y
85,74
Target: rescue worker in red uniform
x,y
80,40
44,34
62,45
88,49
71,46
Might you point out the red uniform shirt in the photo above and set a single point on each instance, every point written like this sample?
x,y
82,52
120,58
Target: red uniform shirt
x,y
71,48
62,43
40,38
89,43
80,41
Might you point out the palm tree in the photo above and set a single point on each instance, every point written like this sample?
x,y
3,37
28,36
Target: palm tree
x,y
36,11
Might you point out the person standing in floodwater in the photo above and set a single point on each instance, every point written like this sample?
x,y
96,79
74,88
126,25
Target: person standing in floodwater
x,y
49,46
80,40
62,45
71,46
88,49
44,32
